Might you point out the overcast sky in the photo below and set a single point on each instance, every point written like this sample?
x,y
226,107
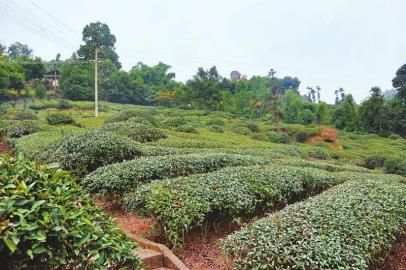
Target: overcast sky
x,y
354,44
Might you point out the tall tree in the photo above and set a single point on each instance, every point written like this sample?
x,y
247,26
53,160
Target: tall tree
x,y
97,35
372,112
318,89
345,116
399,82
2,49
33,67
16,49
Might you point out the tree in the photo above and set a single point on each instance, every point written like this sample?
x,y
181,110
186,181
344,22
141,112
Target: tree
x,y
33,67
292,105
11,76
205,88
126,89
16,49
399,83
97,35
2,49
345,116
40,90
318,89
322,113
372,112
306,117
77,81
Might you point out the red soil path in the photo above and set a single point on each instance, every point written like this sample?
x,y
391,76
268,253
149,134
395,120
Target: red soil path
x,y
328,135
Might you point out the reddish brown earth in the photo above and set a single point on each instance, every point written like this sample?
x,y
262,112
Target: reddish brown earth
x,y
396,259
3,148
328,135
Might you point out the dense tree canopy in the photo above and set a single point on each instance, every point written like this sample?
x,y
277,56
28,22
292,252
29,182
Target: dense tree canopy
x,y
16,49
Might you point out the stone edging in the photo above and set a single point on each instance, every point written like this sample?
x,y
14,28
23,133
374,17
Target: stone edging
x,y
170,260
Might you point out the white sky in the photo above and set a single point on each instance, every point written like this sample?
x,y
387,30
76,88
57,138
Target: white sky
x,y
354,44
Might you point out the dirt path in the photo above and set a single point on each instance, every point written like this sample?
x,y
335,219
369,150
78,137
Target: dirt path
x,y
396,259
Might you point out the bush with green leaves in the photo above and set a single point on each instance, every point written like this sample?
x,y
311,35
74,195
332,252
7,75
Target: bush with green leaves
x,y
174,122
253,127
241,130
87,151
25,115
216,129
48,222
136,115
216,122
276,137
135,131
121,177
346,227
60,118
64,104
396,165
17,129
180,204
187,129
302,136
318,153
374,161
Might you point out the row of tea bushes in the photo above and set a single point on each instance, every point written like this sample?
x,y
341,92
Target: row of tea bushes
x,y
182,203
133,130
18,128
48,222
120,177
347,227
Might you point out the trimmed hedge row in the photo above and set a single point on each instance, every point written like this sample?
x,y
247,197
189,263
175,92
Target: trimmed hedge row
x,y
135,115
135,131
346,227
87,151
182,203
125,176
48,222
17,129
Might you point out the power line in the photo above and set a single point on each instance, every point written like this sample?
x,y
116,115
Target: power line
x,y
26,21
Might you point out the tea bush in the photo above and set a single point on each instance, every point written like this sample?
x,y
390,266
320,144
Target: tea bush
x,y
216,129
120,177
182,203
135,115
48,222
186,129
374,161
60,118
216,122
302,136
253,127
276,137
396,165
25,115
17,129
64,104
346,227
135,131
85,152
241,130
174,122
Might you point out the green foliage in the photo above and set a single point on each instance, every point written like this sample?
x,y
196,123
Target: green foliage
x,y
318,153
25,115
374,161
77,81
120,177
137,116
396,165
216,122
346,227
40,90
186,129
242,130
215,128
60,118
138,132
399,82
49,222
85,152
302,136
20,128
175,122
345,116
276,137
306,117
183,203
253,127
64,104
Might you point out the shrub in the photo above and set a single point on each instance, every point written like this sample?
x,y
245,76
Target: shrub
x,y
302,136
216,122
241,130
137,132
216,129
396,165
253,127
137,116
25,115
260,137
182,203
128,175
186,129
85,152
374,161
19,128
276,137
60,118
48,222
64,104
175,122
395,137
38,107
318,154
346,227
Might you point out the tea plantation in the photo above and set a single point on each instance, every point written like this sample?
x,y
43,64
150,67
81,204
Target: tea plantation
x,y
291,203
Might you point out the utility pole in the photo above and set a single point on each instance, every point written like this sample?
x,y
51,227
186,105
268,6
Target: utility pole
x,y
96,101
